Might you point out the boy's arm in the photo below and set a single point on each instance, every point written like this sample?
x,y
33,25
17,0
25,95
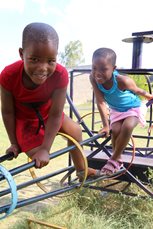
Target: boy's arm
x,y
129,84
41,154
54,119
101,104
8,115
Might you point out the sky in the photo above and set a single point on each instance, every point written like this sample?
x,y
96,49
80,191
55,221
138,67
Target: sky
x,y
96,23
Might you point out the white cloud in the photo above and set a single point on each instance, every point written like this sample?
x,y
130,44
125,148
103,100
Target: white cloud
x,y
17,5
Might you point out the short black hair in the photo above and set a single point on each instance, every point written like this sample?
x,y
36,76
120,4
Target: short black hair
x,y
105,53
39,32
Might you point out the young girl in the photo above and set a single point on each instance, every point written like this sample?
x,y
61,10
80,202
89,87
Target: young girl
x,y
33,92
121,94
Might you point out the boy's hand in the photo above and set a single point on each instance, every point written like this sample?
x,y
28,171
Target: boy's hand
x,y
15,149
105,130
41,157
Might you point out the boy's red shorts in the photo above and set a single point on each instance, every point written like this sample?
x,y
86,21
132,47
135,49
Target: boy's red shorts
x,y
26,133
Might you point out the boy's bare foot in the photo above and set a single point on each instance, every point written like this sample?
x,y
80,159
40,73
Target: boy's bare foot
x,y
91,174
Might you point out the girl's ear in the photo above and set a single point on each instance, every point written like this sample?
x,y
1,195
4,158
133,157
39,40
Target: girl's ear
x,y
21,53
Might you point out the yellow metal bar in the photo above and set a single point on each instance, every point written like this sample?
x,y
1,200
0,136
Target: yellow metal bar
x,y
44,224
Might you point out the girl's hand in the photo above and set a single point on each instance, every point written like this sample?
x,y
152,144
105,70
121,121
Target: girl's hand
x,y
105,130
15,149
41,157
149,97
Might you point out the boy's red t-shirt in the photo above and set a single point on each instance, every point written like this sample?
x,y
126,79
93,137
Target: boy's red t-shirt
x,y
26,118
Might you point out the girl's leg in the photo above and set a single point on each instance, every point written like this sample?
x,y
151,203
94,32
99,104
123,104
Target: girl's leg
x,y
116,129
121,133
74,130
123,136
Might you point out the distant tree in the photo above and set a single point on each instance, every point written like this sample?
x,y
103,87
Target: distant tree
x,y
72,55
141,82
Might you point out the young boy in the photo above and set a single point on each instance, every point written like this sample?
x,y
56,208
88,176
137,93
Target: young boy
x,y
33,92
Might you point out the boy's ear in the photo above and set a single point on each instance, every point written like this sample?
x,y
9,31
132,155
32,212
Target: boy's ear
x,y
21,53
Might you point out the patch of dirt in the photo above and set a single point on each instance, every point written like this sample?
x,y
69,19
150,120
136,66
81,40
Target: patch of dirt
x,y
28,211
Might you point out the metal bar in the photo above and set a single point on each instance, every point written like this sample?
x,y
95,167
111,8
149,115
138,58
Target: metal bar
x,y
137,52
39,198
141,71
6,157
53,226
99,149
149,104
71,92
47,195
138,149
82,123
51,156
131,177
139,183
38,179
116,191
141,136
142,33
93,112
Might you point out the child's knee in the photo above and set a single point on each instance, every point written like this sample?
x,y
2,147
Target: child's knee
x,y
78,133
116,131
129,127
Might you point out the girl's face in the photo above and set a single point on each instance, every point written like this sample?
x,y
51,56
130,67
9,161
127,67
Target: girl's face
x,y
39,61
102,69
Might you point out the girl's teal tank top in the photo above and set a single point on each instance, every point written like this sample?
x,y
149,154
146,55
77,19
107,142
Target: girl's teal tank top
x,y
119,100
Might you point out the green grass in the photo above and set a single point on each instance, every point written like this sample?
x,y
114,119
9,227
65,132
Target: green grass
x,y
87,209
92,211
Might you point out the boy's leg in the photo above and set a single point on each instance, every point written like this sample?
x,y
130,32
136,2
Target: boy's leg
x,y
74,130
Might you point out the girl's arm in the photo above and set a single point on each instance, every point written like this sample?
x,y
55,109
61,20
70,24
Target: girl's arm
x,y
101,104
126,83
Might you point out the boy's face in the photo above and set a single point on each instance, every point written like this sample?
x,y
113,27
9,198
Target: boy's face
x,y
102,69
39,61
